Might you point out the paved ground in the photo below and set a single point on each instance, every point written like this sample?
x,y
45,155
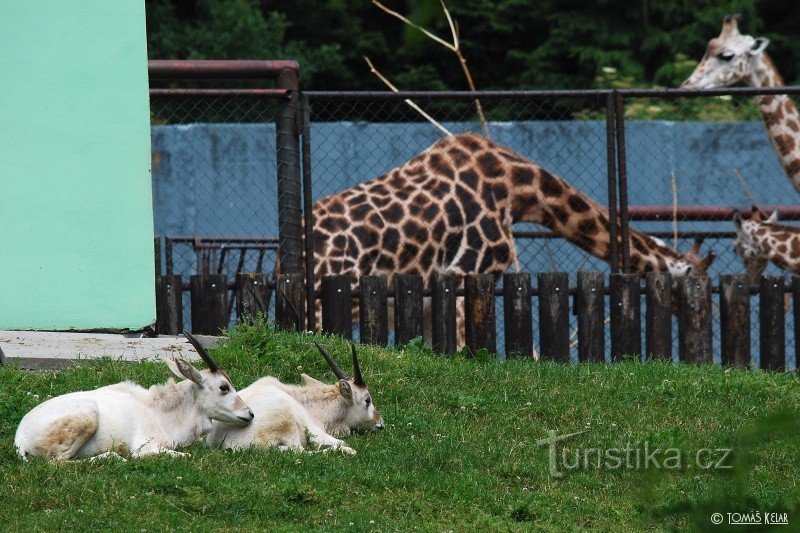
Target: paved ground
x,y
47,350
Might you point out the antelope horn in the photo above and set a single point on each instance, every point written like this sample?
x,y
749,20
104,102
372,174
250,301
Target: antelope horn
x,y
202,351
357,378
336,370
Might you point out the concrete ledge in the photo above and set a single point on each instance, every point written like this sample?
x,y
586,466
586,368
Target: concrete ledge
x,y
36,350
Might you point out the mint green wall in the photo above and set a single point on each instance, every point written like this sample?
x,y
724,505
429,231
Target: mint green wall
x,y
76,221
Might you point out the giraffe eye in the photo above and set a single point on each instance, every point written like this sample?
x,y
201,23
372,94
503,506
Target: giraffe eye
x,y
725,56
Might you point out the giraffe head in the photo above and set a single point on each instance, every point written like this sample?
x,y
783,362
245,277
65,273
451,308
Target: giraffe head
x,y
691,263
746,246
731,57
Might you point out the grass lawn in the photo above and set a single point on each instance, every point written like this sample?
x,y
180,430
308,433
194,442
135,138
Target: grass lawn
x,y
459,451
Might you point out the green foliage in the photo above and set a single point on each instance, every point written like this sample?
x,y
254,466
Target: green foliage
x,y
459,451
510,44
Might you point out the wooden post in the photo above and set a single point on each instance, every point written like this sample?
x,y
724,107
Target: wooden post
x,y
694,319
157,251
590,306
408,309
554,315
252,296
373,310
734,307
772,322
443,313
169,305
337,306
796,311
658,316
517,314
289,300
479,311
626,316
209,303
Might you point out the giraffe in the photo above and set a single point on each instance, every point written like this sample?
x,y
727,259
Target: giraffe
x,y
732,57
450,210
760,239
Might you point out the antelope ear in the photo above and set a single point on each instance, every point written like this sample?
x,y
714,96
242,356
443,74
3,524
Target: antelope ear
x,y
183,369
308,381
759,46
345,390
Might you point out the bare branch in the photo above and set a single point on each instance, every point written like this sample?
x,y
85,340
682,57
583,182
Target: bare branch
x,y
411,104
674,181
744,186
453,47
412,24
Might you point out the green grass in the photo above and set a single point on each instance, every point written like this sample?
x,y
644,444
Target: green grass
x,y
459,452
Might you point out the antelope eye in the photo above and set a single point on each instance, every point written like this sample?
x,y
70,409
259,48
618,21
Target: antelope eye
x,y
725,56
224,388
369,401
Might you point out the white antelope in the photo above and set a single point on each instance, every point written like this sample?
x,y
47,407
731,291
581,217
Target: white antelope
x,y
292,417
128,417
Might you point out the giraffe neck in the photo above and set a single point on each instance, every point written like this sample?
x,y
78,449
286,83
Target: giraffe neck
x,y
537,196
781,119
780,244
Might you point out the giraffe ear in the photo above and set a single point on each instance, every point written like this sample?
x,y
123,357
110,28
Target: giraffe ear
x,y
737,219
707,260
759,46
772,218
696,246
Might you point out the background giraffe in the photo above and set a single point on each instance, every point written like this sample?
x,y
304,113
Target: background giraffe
x,y
732,57
450,210
760,239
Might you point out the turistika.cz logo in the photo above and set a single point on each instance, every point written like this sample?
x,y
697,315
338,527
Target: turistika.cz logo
x,y
634,456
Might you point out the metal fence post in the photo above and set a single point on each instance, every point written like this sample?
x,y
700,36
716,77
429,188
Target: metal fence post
x,y
308,216
611,156
288,155
622,181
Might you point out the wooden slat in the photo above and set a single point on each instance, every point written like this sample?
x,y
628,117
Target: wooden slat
x,y
373,310
694,319
337,306
252,296
408,309
734,308
289,302
658,316
169,305
772,322
626,316
209,303
443,313
517,314
554,315
590,304
479,312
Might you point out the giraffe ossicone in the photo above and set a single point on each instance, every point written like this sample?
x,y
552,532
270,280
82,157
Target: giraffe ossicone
x,y
732,58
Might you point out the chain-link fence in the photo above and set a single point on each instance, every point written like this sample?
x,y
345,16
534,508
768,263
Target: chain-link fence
x,y
686,162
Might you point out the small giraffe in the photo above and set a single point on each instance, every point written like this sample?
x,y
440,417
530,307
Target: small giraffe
x,y
733,57
760,239
450,210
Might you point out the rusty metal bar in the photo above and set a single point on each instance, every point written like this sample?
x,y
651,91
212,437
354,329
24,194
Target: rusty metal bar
x,y
222,93
611,158
659,234
308,215
703,213
290,248
170,69
622,181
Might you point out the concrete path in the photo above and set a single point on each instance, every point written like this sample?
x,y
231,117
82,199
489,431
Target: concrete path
x,y
49,350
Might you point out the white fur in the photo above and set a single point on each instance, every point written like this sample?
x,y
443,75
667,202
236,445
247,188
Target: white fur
x,y
128,417
293,417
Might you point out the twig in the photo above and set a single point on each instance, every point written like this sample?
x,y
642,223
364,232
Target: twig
x,y
744,186
407,100
454,47
674,181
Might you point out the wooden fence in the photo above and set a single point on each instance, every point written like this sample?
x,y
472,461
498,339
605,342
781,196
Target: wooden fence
x,y
213,298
